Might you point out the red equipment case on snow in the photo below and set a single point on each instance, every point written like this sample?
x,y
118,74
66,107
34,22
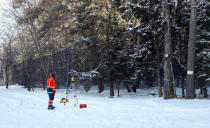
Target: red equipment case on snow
x,y
83,106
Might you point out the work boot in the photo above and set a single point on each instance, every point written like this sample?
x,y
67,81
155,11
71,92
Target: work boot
x,y
50,107
53,106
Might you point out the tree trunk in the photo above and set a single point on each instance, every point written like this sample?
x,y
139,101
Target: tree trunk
x,y
202,85
201,90
100,85
205,94
182,84
6,75
111,89
126,86
28,76
191,53
177,80
134,87
118,88
158,80
108,30
6,70
169,90
43,80
28,83
158,69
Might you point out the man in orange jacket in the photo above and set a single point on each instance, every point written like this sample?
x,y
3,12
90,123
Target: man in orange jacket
x,y
51,90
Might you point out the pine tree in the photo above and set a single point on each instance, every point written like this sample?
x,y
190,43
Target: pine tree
x,y
202,46
179,39
144,17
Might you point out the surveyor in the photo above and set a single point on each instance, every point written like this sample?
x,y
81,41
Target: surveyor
x,y
51,90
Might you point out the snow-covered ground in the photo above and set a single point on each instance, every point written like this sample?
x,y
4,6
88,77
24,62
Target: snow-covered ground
x,y
22,109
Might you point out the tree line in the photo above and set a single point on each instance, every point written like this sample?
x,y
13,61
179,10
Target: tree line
x,y
163,43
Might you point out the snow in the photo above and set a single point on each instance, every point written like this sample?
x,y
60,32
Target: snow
x,y
83,40
23,109
189,72
86,75
208,79
202,75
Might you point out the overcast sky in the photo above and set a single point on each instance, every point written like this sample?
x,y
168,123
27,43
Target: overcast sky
x,y
3,5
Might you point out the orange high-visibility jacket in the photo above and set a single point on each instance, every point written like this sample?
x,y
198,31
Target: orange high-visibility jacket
x,y
51,82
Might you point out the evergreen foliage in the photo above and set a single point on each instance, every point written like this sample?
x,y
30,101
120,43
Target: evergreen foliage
x,y
122,39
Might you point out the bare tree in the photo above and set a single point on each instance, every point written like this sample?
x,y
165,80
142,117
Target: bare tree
x,y
26,52
28,17
7,58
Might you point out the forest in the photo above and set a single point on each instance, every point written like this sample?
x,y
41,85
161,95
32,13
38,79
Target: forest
x,y
109,43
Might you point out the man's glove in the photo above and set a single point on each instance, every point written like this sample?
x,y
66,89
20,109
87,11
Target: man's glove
x,y
54,92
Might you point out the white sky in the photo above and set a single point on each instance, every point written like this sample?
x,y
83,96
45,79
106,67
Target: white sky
x,y
3,5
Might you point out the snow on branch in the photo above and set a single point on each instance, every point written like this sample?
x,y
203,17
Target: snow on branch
x,y
83,40
208,79
86,75
202,75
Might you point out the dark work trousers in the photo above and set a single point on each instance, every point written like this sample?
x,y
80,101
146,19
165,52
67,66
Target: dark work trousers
x,y
51,95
